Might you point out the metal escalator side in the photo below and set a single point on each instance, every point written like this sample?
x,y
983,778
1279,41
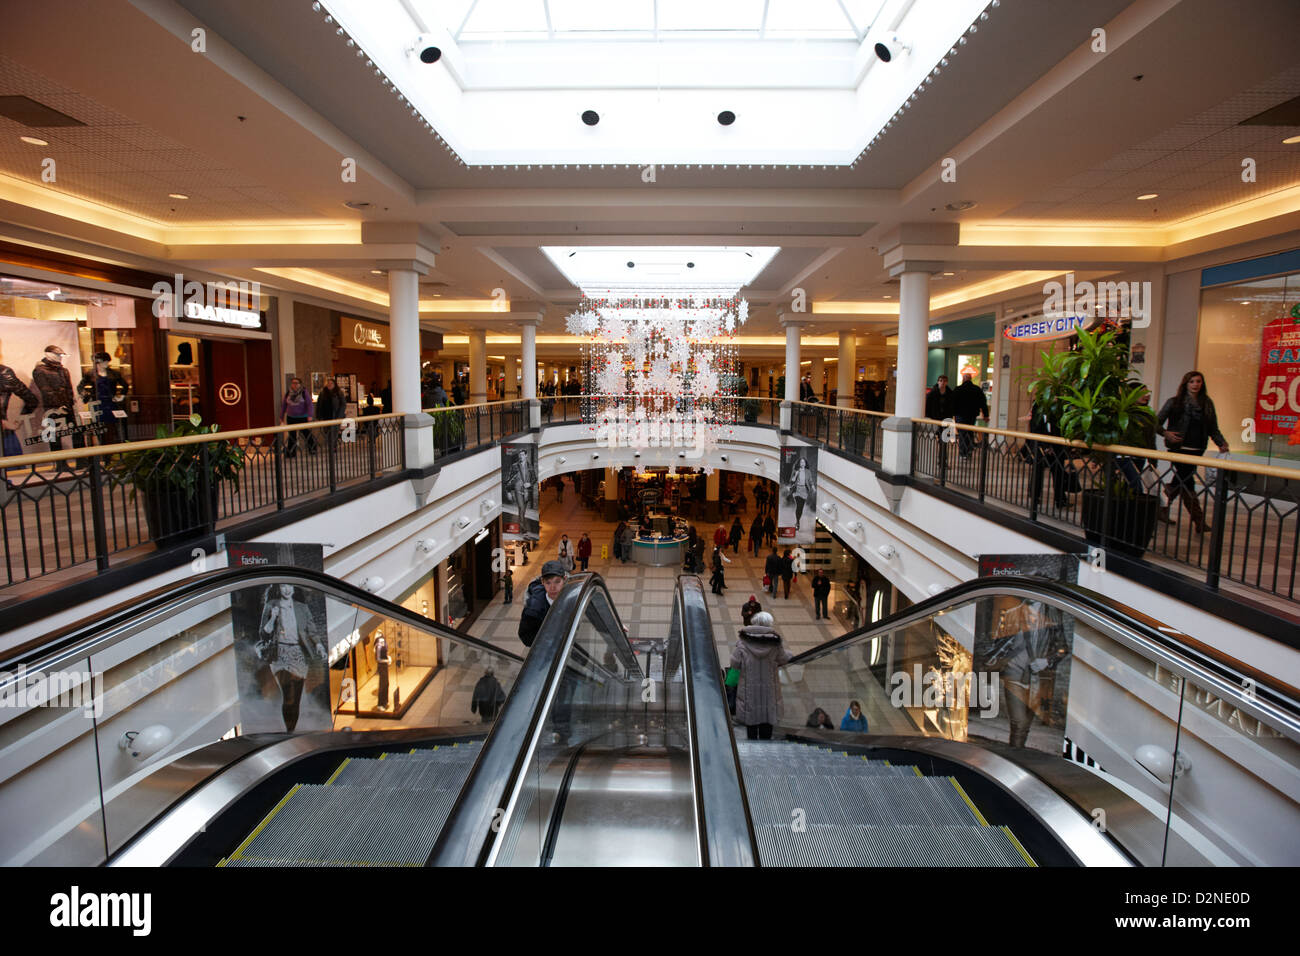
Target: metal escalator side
x,y
1166,737
186,712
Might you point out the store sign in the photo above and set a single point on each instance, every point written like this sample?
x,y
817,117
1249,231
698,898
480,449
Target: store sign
x,y
242,318
1277,404
1045,329
364,335
934,335
230,393
213,303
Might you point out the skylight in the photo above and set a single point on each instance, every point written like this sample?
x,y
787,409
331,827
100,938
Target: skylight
x,y
654,82
716,268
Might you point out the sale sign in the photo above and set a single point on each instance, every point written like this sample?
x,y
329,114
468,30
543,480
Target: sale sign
x,y
1277,405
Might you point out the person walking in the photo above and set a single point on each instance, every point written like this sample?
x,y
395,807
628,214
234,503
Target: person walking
x,y
618,540
749,609
737,535
542,592
508,584
968,405
772,570
296,409
559,488
760,496
584,550
487,698
939,401
627,543
720,537
821,589
718,580
758,655
330,404
566,553
756,535
1187,422
787,572
769,528
854,719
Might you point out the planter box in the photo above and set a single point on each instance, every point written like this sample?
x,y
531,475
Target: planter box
x,y
1132,521
173,516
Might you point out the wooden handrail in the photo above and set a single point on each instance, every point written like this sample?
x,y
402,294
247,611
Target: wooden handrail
x,y
837,408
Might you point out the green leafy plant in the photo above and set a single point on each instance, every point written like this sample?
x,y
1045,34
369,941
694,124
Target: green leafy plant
x,y
179,467
448,427
854,430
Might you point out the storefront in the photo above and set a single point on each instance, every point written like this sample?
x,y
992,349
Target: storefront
x,y
962,347
467,580
1248,348
361,366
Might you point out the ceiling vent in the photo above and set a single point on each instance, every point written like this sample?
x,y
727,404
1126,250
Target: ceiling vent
x,y
1284,114
22,109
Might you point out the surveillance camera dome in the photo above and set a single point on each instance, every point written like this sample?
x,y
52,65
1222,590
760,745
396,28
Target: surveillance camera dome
x,y
426,49
143,744
888,49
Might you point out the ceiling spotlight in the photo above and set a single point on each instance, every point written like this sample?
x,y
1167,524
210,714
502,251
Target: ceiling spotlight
x,y
376,272
726,117
1148,196
887,49
722,457
594,456
636,454
33,141
590,117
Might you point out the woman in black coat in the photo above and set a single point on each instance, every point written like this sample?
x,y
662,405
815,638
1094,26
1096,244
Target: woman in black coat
x,y
1187,422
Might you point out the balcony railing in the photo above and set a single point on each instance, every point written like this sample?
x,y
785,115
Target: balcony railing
x,y
463,428
850,430
573,409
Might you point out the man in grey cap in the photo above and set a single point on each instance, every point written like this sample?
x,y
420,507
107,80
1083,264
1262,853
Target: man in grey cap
x,y
542,592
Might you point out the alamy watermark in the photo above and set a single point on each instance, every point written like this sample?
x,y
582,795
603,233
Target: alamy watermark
x,y
22,689
1113,300
227,303
976,690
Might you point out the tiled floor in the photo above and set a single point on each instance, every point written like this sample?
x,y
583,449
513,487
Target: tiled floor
x,y
642,595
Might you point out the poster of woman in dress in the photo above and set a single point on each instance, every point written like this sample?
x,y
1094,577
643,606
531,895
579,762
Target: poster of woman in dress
x,y
520,518
797,509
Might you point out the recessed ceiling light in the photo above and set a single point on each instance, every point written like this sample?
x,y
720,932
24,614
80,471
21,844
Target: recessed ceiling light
x,y
1148,196
959,206
950,273
357,204
177,196
376,272
33,140
1289,141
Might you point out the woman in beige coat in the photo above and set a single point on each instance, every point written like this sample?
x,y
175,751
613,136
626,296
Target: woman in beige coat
x,y
758,656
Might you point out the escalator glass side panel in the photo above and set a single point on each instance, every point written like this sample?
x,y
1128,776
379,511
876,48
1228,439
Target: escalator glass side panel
x,y
278,653
1025,671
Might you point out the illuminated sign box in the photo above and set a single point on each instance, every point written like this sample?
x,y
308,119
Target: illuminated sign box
x,y
359,334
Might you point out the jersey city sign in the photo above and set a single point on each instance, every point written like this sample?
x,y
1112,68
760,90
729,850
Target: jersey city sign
x,y
1046,329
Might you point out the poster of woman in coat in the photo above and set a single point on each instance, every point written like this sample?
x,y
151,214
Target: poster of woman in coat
x,y
797,509
281,640
520,519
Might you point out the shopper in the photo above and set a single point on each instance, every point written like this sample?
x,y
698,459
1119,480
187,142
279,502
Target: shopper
x,y
939,401
559,488
720,537
330,404
1187,422
758,655
1048,456
820,720
508,585
749,609
627,543
769,527
718,581
737,535
296,409
566,553
584,550
772,570
487,698
821,589
756,535
854,719
542,592
760,497
787,572
968,404
618,540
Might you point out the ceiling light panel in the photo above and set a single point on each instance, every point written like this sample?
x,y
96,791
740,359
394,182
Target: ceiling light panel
x,y
725,268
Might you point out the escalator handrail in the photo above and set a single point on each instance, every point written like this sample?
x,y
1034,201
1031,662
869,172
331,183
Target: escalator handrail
x,y
1266,697
726,828
478,816
97,633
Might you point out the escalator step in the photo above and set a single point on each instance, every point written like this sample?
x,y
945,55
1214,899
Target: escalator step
x,y
827,845
330,826
858,799
402,774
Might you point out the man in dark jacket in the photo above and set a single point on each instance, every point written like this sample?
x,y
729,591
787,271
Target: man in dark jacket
x,y
769,530
968,404
756,535
821,589
487,698
939,400
542,592
787,571
1048,456
772,568
749,609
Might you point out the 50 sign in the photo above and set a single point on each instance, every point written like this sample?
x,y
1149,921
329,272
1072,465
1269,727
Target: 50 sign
x,y
1278,402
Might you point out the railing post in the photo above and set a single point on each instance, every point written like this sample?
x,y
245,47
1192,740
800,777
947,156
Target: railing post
x,y
205,488
332,439
984,465
478,431
97,514
1107,502
1217,532
1036,476
943,459
372,433
279,471
402,440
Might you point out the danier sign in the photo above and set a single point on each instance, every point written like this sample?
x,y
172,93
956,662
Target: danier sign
x,y
357,334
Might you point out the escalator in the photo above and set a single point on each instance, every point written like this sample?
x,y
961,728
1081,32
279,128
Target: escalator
x,y
610,750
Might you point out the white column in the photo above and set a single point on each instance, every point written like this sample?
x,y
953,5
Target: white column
x,y
913,328
514,387
847,370
404,335
287,342
477,366
791,362
528,357
817,372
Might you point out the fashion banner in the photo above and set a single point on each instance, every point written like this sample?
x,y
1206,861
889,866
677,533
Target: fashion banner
x,y
796,516
520,517
1277,403
22,350
1029,646
281,643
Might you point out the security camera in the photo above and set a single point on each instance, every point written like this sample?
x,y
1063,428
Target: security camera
x,y
561,461
427,545
1161,764
829,507
636,454
462,522
426,49
143,744
372,584
681,454
887,551
594,456
855,527
722,457
487,505
758,462
891,47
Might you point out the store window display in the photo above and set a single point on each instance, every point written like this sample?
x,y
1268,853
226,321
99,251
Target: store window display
x,y
103,390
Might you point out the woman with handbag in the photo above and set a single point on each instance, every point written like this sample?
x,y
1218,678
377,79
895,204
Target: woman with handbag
x,y
1187,422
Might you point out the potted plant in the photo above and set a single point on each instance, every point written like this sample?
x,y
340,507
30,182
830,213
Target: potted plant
x,y
172,480
1089,394
854,430
448,429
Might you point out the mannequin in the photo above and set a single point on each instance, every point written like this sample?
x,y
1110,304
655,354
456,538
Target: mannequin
x,y
106,386
11,385
381,664
54,384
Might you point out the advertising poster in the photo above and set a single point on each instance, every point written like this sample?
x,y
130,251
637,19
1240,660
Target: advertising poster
x,y
1277,403
520,518
281,644
796,516
54,386
1028,646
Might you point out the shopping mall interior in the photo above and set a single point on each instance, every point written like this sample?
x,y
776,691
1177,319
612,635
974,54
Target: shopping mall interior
x,y
855,433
